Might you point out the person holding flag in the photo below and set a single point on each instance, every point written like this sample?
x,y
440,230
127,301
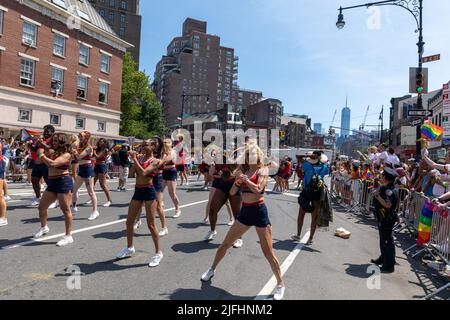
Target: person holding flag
x,y
3,220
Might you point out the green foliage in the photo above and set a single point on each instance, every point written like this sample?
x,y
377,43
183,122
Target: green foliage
x,y
141,110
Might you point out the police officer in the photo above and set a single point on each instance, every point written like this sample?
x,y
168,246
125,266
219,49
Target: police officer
x,y
385,202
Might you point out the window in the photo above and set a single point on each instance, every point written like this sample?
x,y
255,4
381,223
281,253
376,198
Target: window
x,y
103,93
2,13
123,5
79,123
101,126
27,68
112,3
105,63
123,18
84,55
59,45
24,115
111,16
82,87
29,36
57,83
55,119
122,33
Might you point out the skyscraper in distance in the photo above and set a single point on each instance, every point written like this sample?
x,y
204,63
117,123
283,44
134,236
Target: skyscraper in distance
x,y
318,128
345,120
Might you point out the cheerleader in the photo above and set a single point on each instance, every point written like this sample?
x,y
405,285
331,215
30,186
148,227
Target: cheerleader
x,y
251,182
85,157
170,174
59,185
101,168
144,194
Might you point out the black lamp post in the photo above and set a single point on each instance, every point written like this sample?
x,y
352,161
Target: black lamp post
x,y
415,7
184,98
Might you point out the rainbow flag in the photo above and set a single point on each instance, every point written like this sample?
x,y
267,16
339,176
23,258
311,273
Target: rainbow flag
x,y
430,131
425,222
27,135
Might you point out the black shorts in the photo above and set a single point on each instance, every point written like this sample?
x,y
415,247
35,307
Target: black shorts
x,y
254,216
40,171
225,187
146,193
216,183
85,171
101,168
60,185
306,200
158,182
170,175
181,168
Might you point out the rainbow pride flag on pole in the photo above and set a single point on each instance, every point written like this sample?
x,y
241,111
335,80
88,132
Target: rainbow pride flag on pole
x,y
431,131
27,135
425,222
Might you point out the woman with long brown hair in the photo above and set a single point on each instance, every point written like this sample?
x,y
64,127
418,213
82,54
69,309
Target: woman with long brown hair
x,y
251,181
101,154
85,156
144,194
59,185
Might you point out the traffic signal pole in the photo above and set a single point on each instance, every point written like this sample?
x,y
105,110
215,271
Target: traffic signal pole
x,y
420,45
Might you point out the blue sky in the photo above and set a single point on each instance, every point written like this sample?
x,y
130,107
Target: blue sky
x,y
292,50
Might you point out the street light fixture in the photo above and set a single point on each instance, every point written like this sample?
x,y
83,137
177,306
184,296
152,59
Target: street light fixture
x,y
415,8
340,24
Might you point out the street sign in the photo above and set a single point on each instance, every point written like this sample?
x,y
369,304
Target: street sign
x,y
436,57
420,113
416,123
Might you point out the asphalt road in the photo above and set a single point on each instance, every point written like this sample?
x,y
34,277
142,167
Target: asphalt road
x,y
332,268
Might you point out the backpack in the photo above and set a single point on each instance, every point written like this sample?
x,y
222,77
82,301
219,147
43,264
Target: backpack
x,y
315,185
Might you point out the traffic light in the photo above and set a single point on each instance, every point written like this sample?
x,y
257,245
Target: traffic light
x,y
420,82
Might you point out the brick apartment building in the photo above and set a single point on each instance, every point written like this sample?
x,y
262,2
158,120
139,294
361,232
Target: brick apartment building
x,y
59,68
265,114
123,16
197,64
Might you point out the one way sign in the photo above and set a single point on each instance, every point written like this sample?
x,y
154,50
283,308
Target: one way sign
x,y
420,113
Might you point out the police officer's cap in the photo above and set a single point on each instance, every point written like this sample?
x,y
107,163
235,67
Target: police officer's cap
x,y
390,173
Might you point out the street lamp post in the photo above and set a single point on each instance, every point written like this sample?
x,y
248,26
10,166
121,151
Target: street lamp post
x,y
415,7
185,97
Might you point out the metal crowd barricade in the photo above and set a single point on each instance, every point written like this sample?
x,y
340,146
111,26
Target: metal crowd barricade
x,y
366,197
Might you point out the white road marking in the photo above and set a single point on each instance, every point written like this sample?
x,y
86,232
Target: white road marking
x,y
272,283
89,228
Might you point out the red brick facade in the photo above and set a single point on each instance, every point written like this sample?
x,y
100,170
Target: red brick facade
x,y
11,40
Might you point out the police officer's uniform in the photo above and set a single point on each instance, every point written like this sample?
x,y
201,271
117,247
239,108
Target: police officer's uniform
x,y
386,221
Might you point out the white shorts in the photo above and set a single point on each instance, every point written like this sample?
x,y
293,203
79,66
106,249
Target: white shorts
x,y
123,172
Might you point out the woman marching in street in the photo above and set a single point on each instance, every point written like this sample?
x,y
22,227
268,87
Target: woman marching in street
x,y
215,172
251,181
85,156
59,185
157,144
224,182
170,174
101,168
182,165
144,194
75,143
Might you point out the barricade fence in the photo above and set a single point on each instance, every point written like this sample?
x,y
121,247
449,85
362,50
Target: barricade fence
x,y
355,195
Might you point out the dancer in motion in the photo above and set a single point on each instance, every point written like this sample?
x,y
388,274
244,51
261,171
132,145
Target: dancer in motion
x,y
59,185
144,194
101,168
85,156
40,170
170,174
251,181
